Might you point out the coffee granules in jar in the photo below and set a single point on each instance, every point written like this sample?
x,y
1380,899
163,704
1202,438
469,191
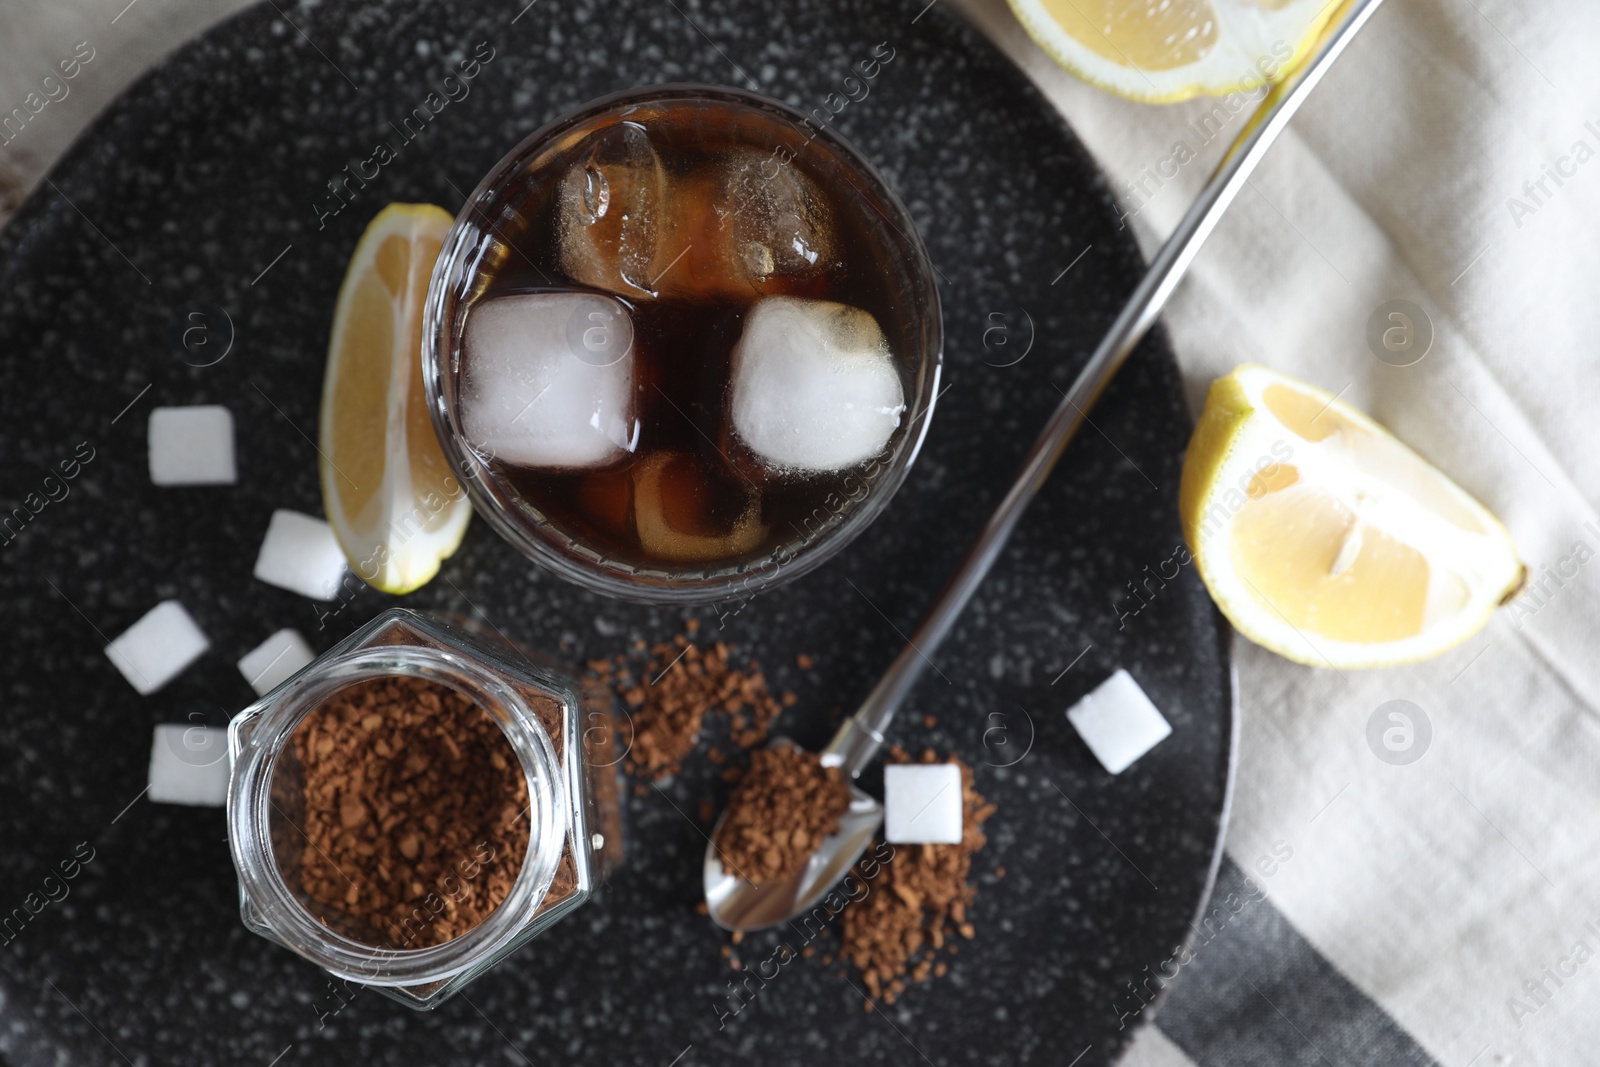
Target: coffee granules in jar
x,y
918,903
415,823
784,805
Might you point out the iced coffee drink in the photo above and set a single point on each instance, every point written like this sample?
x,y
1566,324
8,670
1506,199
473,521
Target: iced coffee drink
x,y
683,342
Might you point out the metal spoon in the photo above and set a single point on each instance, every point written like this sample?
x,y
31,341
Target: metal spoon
x,y
737,904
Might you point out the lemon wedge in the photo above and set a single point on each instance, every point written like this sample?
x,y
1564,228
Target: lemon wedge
x,y
1162,51
1326,540
393,503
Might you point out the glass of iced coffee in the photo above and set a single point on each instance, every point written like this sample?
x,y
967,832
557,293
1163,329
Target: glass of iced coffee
x,y
681,344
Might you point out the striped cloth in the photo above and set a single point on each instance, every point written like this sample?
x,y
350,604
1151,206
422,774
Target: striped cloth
x,y
1370,909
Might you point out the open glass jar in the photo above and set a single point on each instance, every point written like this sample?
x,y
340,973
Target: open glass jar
x,y
563,741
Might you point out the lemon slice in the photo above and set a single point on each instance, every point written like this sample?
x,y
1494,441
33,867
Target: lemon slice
x,y
1325,539
1166,50
676,517
387,491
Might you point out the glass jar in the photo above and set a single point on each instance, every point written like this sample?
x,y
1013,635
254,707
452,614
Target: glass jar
x,y
479,247
563,739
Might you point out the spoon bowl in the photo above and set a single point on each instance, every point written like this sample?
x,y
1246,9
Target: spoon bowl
x,y
736,903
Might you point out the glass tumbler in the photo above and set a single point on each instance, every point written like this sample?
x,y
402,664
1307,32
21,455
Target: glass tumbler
x,y
563,740
508,224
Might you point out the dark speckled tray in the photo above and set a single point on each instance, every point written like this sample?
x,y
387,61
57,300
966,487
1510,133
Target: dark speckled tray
x,y
196,191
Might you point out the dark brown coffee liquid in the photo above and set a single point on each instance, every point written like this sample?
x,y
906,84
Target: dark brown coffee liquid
x,y
690,497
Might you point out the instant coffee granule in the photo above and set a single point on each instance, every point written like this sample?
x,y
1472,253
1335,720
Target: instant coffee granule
x,y
918,902
785,804
414,807
669,693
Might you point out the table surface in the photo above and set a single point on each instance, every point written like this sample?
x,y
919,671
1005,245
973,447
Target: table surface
x,y
1420,905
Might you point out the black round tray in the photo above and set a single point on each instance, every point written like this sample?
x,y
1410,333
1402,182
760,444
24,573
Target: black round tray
x,y
205,189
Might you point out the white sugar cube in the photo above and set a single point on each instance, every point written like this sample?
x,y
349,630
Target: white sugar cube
x,y
154,650
814,386
300,554
1118,722
275,659
192,446
922,803
547,380
189,765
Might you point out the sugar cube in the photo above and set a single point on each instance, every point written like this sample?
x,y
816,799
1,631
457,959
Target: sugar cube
x,y
1118,722
189,765
300,554
192,446
274,660
922,803
153,651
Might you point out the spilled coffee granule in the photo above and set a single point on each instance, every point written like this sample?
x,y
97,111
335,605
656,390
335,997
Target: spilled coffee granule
x,y
669,693
784,805
414,810
918,902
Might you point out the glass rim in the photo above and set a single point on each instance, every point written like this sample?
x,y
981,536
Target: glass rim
x,y
503,509
259,735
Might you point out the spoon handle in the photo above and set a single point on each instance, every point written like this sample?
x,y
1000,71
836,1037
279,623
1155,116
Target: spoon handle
x,y
861,735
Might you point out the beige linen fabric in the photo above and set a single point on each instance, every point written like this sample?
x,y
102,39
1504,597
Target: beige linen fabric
x,y
1422,170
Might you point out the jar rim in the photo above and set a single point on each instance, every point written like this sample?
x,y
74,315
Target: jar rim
x,y
259,736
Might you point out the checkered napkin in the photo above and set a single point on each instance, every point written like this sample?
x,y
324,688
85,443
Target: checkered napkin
x,y
1422,888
